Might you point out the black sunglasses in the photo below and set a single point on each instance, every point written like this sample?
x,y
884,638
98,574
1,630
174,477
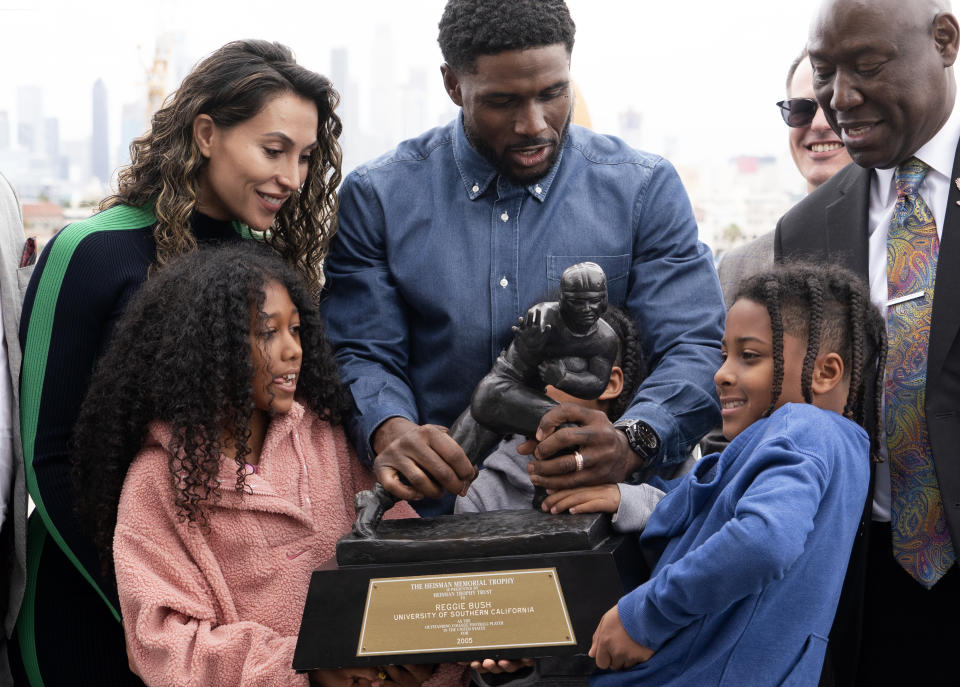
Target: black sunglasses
x,y
798,112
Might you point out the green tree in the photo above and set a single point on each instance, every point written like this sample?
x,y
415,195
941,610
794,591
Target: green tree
x,y
732,234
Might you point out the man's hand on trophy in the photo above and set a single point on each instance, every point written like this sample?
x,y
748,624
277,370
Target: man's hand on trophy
x,y
416,461
593,450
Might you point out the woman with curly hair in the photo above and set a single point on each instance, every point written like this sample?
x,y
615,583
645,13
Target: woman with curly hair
x,y
247,147
211,469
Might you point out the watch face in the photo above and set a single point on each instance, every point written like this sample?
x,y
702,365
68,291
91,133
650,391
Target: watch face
x,y
646,435
643,438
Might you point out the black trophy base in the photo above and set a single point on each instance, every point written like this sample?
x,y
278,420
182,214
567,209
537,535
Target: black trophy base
x,y
479,604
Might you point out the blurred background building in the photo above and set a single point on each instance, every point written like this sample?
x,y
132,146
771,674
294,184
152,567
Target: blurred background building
x,y
706,102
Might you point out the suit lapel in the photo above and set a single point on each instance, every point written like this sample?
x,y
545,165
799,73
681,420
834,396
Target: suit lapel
x,y
846,221
946,300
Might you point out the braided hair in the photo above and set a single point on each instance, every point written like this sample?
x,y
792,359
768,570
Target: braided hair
x,y
829,307
630,358
180,354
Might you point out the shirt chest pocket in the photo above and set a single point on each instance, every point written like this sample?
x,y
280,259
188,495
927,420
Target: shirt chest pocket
x,y
616,267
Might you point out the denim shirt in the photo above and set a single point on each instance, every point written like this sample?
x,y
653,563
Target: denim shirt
x,y
437,255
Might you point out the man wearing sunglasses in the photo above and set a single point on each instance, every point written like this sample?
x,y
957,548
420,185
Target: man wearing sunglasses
x,y
883,74
817,151
818,154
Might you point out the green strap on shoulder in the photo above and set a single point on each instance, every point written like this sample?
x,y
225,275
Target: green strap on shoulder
x,y
26,630
33,373
39,332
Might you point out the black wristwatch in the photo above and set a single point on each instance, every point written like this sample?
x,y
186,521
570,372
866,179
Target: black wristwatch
x,y
642,438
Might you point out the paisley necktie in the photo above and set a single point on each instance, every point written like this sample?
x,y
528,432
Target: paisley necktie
x,y
921,540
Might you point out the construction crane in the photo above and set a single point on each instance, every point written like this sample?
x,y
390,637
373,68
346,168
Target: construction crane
x,y
157,75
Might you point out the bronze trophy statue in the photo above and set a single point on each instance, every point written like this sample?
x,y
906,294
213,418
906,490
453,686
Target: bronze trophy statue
x,y
501,584
562,343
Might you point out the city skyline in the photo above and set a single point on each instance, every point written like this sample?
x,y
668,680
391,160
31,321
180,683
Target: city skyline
x,y
696,93
681,73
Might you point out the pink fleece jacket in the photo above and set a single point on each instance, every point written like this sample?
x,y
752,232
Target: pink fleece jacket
x,y
223,607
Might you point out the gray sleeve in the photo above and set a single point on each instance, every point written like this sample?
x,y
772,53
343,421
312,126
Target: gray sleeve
x,y
637,501
503,483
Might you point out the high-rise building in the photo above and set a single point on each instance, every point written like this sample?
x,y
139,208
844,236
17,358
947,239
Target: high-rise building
x,y
340,76
51,137
338,67
51,145
414,99
30,118
383,117
4,130
132,125
351,140
99,150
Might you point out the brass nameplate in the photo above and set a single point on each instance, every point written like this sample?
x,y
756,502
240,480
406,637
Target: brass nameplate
x,y
495,610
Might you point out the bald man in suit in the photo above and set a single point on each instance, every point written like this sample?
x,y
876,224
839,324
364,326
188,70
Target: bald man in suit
x,y
883,75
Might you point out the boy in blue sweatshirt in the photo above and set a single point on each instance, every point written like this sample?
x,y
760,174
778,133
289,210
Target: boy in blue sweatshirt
x,y
755,540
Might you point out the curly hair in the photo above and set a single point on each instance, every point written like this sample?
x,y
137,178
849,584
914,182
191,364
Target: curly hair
x,y
232,85
180,354
829,308
470,28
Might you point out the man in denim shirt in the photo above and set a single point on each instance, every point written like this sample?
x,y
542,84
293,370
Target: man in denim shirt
x,y
446,241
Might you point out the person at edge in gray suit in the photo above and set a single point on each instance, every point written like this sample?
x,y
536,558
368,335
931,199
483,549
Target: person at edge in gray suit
x,y
13,490
883,72
818,154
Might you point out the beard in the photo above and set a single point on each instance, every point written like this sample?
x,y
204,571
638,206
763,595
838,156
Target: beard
x,y
500,163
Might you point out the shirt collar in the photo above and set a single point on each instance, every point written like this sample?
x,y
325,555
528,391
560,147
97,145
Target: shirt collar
x,y
477,173
938,153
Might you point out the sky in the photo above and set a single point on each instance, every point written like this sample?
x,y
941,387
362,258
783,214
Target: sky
x,y
704,74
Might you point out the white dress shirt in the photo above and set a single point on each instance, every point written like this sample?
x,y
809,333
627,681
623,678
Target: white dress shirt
x,y
938,153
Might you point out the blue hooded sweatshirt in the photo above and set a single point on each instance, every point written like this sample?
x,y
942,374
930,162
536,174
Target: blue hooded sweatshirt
x,y
755,545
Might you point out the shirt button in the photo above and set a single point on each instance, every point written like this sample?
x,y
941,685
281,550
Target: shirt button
x,y
538,189
504,282
475,188
504,217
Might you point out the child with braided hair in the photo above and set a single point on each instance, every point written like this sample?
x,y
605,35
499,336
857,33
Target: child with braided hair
x,y
754,542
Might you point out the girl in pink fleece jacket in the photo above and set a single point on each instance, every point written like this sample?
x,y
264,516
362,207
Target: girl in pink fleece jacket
x,y
219,381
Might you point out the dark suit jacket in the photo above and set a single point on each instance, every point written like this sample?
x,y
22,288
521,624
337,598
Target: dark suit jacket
x,y
832,224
